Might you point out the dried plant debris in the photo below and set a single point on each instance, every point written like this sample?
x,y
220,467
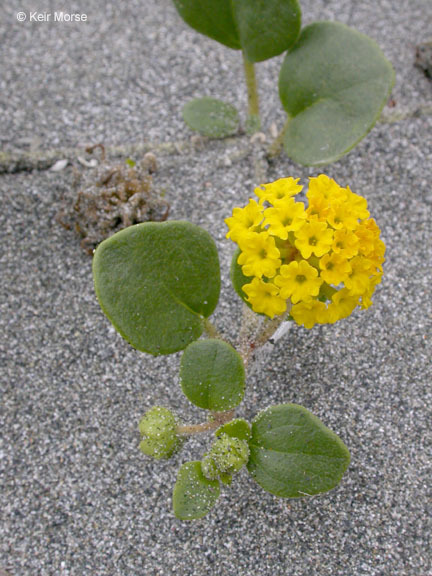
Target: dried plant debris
x,y
424,58
112,197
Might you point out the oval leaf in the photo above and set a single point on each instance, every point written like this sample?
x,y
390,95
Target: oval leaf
x,y
194,495
261,28
210,117
333,85
215,22
293,454
156,281
237,428
212,375
266,27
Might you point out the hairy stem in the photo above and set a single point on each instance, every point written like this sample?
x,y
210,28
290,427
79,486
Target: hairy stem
x,y
211,330
251,337
270,327
276,146
253,122
217,420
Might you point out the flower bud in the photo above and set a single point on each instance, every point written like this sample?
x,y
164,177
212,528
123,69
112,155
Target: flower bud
x,y
227,456
158,428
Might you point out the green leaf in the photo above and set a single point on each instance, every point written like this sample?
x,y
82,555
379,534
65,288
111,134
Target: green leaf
x,y
238,279
210,117
293,454
266,27
194,495
216,22
261,28
156,282
212,375
333,85
237,428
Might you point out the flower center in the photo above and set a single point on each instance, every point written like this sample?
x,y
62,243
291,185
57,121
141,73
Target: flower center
x,y
313,241
300,278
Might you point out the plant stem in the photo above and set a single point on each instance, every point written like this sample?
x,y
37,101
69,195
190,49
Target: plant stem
x,y
248,328
269,328
217,420
250,338
253,121
211,330
276,147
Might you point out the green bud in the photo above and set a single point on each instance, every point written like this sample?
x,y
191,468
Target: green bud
x,y
208,467
158,428
227,456
226,479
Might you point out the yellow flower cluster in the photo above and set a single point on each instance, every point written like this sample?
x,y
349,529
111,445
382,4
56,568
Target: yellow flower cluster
x,y
325,259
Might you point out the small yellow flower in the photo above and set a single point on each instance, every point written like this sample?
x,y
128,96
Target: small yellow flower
x,y
368,235
324,187
340,216
318,208
314,238
298,281
309,313
358,280
286,216
358,204
366,298
264,298
345,243
278,190
244,220
342,305
334,268
259,255
376,258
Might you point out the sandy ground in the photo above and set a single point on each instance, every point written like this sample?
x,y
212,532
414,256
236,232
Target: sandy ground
x,y
77,497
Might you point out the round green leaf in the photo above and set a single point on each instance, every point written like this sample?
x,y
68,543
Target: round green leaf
x,y
261,28
210,117
292,453
266,27
237,428
238,279
212,375
194,495
333,85
156,282
216,22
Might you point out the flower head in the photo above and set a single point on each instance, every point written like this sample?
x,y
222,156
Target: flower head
x,y
322,260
